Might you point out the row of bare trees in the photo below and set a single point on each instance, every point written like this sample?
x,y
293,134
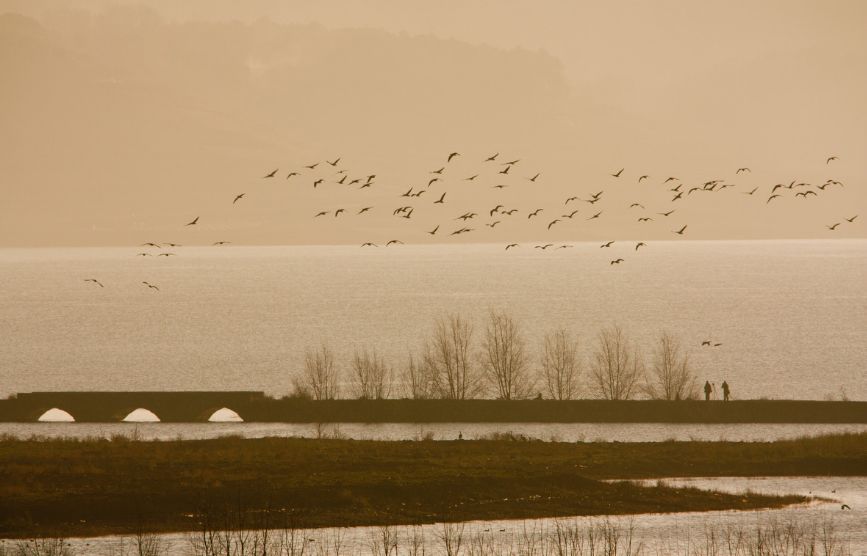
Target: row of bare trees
x,y
449,367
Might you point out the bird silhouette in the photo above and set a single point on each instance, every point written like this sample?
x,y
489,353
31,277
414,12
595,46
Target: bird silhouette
x,y
312,166
432,181
633,205
678,196
492,158
193,222
151,286
706,343
533,179
505,170
543,247
149,244
492,224
597,215
830,158
494,210
509,246
534,213
290,174
441,200
369,244
642,178
271,174
95,281
512,162
571,214
337,212
323,213
336,160
616,261
500,186
750,192
669,179
645,219
617,174
570,199
434,231
439,172
471,178
551,223
166,255
845,507
771,198
143,255
317,182
238,198
680,231
608,244
394,242
833,227
640,244
365,209
451,156
743,170
222,242
850,220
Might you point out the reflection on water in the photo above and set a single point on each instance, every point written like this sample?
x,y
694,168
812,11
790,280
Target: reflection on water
x,y
684,533
562,432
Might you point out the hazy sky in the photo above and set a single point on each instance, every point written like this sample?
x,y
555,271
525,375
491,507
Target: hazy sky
x,y
121,121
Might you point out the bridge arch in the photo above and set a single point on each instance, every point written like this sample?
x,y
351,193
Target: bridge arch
x,y
55,415
223,415
141,415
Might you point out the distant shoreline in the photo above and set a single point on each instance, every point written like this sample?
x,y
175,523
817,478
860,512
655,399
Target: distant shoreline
x,y
99,487
192,407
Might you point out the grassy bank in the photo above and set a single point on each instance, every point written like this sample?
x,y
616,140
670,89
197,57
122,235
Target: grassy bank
x,y
96,487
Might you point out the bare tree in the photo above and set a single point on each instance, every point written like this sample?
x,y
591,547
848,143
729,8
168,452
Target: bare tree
x,y
504,358
615,370
671,377
561,364
417,382
372,375
447,359
320,375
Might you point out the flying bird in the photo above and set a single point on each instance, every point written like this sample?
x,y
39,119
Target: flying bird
x,y
505,170
365,209
238,198
850,220
533,179
743,170
290,174
645,219
543,247
166,255
441,199
669,179
833,226
607,244
570,199
222,242
471,178
830,158
434,231
509,246
616,261
642,178
680,231
312,166
193,222
451,156
750,192
597,215
551,223
570,215
432,181
323,213
369,244
336,160
271,174
640,244
492,158
491,225
534,213
771,198
95,281
394,241
617,174
149,244
337,212
495,209
151,286
317,182
633,205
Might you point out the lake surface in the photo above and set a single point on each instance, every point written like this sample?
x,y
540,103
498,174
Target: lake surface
x,y
656,534
560,432
791,315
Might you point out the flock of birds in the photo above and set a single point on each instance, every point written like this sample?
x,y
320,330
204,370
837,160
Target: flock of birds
x,y
330,173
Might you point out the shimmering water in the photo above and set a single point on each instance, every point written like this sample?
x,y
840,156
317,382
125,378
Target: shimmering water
x,y
791,315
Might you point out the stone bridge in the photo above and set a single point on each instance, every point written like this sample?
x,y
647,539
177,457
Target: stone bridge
x,y
106,407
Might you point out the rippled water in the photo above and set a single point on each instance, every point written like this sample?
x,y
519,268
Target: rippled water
x,y
680,533
562,432
791,315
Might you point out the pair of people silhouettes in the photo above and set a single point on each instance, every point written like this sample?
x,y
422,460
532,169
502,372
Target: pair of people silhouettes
x,y
708,389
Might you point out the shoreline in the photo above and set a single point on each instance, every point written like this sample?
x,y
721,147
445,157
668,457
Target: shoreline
x,y
92,488
256,407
